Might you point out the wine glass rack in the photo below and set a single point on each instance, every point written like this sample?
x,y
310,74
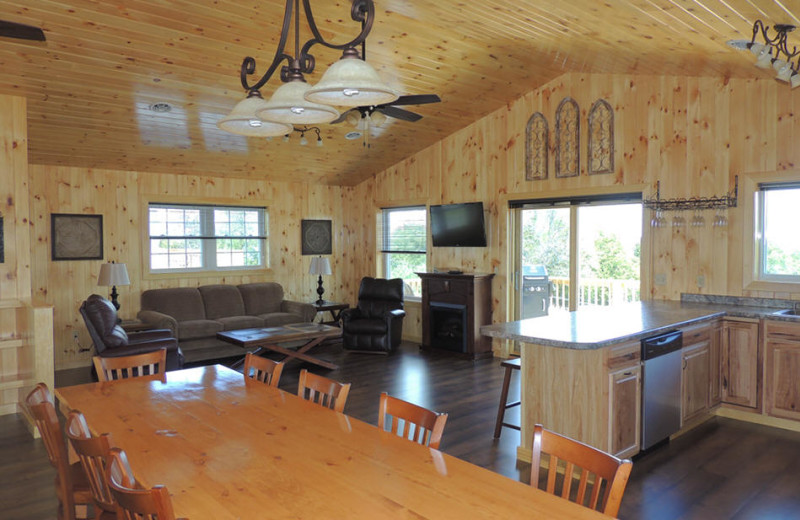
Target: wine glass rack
x,y
726,201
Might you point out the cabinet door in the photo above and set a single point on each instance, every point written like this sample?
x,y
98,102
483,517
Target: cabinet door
x,y
782,383
715,366
695,381
740,374
625,395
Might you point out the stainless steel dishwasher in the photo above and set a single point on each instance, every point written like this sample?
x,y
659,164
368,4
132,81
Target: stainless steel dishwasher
x,y
661,387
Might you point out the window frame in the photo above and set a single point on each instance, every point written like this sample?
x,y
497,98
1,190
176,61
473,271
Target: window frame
x,y
384,249
207,222
759,243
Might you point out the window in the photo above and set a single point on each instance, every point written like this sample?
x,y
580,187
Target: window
x,y
778,242
206,238
404,237
576,252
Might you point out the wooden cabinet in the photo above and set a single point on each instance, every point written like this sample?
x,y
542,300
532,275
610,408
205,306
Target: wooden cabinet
x,y
782,371
741,362
624,399
715,365
695,372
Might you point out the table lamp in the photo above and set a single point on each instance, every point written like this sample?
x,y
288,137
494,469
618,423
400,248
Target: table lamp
x,y
113,274
320,266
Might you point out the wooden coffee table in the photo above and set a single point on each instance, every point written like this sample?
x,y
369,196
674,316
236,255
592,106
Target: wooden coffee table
x,y
267,339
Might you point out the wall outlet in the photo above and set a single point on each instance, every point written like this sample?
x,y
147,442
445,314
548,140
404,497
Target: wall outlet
x,y
660,279
701,281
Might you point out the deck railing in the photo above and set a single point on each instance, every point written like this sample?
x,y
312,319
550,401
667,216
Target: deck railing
x,y
593,292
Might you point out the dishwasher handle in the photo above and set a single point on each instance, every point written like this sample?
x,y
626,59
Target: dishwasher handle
x,y
662,344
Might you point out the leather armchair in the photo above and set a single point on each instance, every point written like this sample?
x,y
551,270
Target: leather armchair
x,y
376,324
110,340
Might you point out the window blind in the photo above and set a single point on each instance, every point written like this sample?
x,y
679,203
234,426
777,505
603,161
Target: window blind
x,y
404,230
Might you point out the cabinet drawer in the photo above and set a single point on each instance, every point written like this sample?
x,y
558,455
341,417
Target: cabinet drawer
x,y
624,355
782,330
696,334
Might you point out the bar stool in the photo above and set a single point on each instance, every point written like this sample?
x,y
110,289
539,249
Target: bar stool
x,y
509,365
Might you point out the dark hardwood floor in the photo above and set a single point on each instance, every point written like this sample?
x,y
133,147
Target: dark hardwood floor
x,y
722,469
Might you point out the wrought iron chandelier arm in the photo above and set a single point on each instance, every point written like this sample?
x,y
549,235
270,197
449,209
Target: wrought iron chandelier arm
x,y
249,64
361,11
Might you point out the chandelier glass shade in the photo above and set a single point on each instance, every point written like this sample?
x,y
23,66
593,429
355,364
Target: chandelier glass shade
x,y
243,119
287,105
349,82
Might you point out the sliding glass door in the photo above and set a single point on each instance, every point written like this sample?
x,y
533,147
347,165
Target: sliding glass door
x,y
575,253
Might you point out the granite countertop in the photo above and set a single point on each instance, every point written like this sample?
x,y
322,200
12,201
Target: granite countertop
x,y
603,326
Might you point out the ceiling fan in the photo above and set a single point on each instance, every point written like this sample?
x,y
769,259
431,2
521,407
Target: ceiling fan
x,y
365,116
21,31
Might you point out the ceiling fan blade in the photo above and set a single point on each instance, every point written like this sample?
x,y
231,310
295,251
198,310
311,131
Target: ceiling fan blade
x,y
399,113
342,117
417,99
21,31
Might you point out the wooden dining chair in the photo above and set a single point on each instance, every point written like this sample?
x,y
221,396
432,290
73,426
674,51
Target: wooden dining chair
x,y
323,391
262,369
411,421
601,478
151,365
72,488
93,455
133,502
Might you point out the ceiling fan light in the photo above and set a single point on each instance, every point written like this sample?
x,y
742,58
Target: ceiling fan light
x,y
287,105
243,120
351,82
377,118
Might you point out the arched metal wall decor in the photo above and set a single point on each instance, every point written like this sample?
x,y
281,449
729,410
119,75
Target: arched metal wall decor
x,y
600,152
568,162
537,138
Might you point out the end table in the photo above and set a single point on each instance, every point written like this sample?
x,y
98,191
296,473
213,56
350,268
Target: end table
x,y
334,308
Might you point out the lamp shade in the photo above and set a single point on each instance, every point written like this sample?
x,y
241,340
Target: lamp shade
x,y
243,119
351,82
113,274
320,265
287,105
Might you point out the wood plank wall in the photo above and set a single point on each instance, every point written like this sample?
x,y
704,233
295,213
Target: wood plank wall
x,y
121,198
692,134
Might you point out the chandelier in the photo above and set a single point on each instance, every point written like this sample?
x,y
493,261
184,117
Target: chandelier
x,y
350,82
773,52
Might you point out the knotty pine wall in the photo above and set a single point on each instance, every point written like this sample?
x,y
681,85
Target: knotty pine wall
x,y
15,272
692,134
121,198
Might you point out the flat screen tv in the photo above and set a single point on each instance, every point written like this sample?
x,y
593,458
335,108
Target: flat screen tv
x,y
458,225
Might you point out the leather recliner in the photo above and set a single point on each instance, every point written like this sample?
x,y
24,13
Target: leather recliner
x,y
376,324
110,340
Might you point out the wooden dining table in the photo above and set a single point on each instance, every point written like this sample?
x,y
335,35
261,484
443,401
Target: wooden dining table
x,y
227,448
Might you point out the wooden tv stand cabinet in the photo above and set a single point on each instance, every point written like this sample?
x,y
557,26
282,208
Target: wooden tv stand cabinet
x,y
467,296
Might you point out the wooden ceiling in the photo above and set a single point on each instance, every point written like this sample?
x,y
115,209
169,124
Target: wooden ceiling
x,y
90,86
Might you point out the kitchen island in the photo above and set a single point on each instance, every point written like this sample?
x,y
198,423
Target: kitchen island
x,y
581,371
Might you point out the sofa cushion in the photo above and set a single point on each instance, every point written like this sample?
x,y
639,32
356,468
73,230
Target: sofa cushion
x,y
103,316
193,329
221,301
274,319
241,322
261,298
182,303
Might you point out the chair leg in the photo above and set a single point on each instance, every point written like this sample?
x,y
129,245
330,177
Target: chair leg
x,y
501,410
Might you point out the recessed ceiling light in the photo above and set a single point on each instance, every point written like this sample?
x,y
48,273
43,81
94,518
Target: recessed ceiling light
x,y
350,136
739,45
161,107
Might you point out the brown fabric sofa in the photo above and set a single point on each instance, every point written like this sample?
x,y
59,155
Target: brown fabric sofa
x,y
196,314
